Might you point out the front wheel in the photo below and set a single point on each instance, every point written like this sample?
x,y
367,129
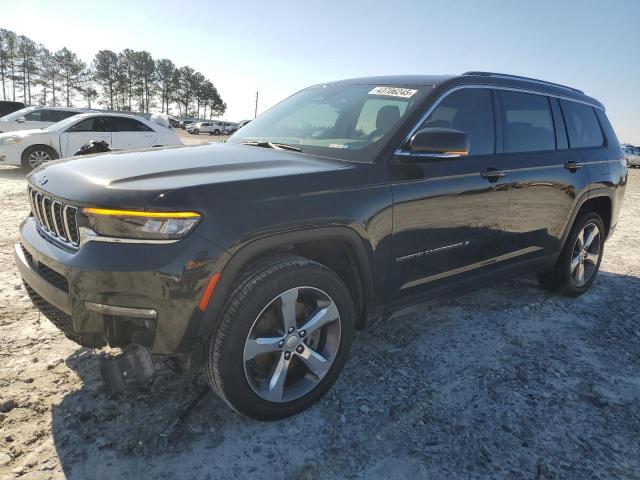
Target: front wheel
x,y
216,132
196,132
37,155
579,262
283,339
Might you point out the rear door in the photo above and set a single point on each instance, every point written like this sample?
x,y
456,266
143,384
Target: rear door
x,y
449,213
546,176
129,133
92,128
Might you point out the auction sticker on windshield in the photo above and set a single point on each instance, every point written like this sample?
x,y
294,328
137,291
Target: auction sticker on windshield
x,y
393,92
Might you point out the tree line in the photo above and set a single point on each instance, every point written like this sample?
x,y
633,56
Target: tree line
x,y
129,80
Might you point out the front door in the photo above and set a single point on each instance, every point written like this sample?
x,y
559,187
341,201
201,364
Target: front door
x,y
449,213
83,132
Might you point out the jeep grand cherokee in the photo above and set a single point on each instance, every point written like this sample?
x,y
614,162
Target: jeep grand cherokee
x,y
258,258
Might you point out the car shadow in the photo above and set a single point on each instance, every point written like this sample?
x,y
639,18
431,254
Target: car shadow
x,y
509,381
12,173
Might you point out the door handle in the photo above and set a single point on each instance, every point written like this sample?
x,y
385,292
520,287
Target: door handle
x,y
571,165
492,174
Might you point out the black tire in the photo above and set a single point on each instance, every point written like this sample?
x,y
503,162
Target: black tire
x,y
27,163
196,132
559,279
216,132
257,287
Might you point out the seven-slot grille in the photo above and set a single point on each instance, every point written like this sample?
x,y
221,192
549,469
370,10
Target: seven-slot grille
x,y
55,218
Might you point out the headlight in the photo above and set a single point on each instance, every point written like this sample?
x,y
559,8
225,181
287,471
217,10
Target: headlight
x,y
132,224
10,140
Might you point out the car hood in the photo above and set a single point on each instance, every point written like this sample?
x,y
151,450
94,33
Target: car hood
x,y
24,133
135,178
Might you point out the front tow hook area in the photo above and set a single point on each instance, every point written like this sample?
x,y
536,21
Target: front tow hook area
x,y
130,370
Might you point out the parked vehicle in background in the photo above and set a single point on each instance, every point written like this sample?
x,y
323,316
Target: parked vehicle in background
x,y
185,123
212,128
36,117
259,257
31,148
7,107
230,129
632,154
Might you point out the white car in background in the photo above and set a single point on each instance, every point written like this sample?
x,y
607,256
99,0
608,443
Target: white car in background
x,y
31,148
36,117
212,128
632,155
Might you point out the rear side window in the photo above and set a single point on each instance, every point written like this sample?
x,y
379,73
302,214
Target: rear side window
x,y
582,125
469,110
527,122
122,124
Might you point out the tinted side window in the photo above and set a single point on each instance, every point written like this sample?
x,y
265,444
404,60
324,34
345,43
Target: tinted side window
x,y
122,124
582,125
527,123
35,116
56,115
94,124
469,110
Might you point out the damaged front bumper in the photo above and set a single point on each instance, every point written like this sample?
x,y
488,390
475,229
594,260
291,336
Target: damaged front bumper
x,y
119,294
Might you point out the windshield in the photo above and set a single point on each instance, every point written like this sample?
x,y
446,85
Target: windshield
x,y
63,124
350,122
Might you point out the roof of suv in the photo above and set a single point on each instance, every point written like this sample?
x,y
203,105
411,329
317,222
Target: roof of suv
x,y
477,78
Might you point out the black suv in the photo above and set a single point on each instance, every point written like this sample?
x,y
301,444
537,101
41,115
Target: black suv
x,y
258,258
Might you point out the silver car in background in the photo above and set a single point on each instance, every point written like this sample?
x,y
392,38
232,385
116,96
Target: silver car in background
x,y
632,155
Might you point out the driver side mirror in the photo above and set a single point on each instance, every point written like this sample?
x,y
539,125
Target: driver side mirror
x,y
440,142
21,119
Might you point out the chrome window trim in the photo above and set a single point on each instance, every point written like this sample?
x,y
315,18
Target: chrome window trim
x,y
440,99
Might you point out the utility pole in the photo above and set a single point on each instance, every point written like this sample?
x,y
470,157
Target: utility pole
x,y
255,113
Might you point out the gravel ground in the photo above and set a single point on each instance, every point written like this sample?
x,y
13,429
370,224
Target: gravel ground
x,y
508,382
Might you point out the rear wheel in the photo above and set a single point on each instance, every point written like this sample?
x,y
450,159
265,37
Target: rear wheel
x,y
578,264
283,339
216,132
36,155
196,132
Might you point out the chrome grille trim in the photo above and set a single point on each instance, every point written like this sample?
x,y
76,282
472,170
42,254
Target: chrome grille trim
x,y
61,226
57,227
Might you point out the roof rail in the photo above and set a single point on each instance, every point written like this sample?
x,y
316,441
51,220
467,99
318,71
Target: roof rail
x,y
518,77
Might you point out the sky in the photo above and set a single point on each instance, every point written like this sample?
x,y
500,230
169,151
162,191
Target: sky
x,y
279,47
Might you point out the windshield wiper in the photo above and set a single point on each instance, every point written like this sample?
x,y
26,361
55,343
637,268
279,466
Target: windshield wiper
x,y
274,145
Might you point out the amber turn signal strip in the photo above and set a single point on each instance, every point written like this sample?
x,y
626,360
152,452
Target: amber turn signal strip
x,y
208,292
137,213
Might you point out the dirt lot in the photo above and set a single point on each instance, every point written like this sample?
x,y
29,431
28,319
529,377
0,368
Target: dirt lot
x,y
508,382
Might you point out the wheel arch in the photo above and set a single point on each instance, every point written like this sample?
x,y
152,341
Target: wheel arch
x,y
339,248
599,202
41,145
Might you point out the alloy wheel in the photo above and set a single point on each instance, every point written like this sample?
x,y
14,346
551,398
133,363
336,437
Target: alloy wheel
x,y
38,157
585,255
292,344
